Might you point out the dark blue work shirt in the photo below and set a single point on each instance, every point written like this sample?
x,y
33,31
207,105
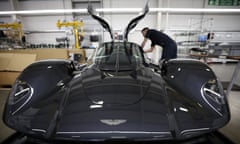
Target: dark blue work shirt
x,y
158,38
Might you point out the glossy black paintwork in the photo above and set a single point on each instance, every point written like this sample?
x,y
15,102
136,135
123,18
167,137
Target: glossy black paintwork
x,y
44,78
101,104
188,78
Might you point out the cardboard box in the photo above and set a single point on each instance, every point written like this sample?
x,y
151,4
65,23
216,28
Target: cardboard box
x,y
51,53
11,64
8,78
42,53
15,62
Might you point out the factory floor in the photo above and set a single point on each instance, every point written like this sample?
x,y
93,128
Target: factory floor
x,y
223,71
4,130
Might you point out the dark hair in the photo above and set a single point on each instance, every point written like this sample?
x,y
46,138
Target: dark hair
x,y
146,28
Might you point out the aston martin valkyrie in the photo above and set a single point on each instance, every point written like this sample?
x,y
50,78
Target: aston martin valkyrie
x,y
119,96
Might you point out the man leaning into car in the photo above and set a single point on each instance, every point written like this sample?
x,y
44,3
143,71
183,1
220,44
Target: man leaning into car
x,y
158,38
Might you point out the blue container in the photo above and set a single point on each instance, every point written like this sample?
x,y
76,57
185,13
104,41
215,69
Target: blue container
x,y
202,38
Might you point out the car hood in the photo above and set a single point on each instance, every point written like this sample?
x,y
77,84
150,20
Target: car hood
x,y
116,105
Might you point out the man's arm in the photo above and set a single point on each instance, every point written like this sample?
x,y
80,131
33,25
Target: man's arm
x,y
149,50
144,42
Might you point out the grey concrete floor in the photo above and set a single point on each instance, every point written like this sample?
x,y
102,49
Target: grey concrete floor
x,y
4,130
231,130
223,71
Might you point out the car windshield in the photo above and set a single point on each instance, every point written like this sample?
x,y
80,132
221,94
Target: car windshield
x,y
118,56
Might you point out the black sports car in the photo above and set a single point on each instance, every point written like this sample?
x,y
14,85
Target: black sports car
x,y
117,97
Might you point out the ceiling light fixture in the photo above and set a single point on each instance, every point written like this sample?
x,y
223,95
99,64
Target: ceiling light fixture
x,y
36,12
194,10
120,10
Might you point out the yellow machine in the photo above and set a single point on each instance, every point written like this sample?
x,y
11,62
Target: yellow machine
x,y
15,26
76,25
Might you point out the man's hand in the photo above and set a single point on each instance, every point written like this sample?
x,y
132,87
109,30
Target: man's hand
x,y
149,50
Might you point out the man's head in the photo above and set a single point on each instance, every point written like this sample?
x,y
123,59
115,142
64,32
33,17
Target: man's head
x,y
144,31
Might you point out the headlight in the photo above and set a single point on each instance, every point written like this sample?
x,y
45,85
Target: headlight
x,y
213,95
212,91
20,95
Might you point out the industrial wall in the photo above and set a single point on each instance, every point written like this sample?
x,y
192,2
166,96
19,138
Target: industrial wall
x,y
42,29
221,22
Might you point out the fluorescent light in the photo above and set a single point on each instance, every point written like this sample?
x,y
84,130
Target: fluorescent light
x,y
120,10
194,10
53,11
